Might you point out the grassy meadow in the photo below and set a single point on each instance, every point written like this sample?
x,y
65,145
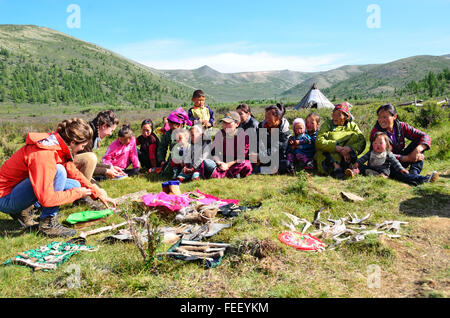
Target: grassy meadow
x,y
415,265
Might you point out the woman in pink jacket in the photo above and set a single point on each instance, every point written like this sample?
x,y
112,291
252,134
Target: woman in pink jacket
x,y
123,151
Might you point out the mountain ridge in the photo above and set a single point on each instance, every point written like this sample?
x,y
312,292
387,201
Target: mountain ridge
x,y
119,80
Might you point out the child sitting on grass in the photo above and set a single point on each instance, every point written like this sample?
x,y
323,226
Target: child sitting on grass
x,y
312,129
149,145
201,114
177,119
381,160
313,126
122,152
300,145
197,151
178,152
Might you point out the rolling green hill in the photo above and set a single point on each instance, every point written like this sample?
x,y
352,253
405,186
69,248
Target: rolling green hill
x,y
326,79
371,80
386,79
40,65
230,87
364,81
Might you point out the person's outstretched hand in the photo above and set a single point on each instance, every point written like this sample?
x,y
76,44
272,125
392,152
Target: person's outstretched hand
x,y
105,200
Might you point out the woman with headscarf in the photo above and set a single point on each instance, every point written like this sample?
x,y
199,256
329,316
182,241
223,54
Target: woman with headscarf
x,y
338,143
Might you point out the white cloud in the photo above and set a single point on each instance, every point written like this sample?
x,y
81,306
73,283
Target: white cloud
x,y
235,57
260,61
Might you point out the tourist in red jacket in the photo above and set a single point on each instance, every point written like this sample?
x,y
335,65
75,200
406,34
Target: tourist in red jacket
x,y
43,171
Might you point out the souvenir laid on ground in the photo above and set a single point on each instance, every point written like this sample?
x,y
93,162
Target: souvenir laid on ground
x,y
86,216
175,203
192,232
136,196
351,197
198,232
348,230
232,210
48,257
197,213
300,241
171,187
209,253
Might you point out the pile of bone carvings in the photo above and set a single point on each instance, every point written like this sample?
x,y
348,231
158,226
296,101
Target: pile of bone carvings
x,y
347,229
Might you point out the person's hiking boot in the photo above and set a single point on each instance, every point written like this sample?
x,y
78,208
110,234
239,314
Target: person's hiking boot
x,y
51,228
433,177
25,217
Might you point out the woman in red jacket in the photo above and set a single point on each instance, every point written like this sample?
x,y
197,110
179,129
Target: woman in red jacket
x,y
43,171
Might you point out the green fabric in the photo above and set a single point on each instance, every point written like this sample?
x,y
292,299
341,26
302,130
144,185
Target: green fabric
x,y
54,253
87,216
330,136
165,145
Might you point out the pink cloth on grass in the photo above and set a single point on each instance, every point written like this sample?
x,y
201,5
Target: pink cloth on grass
x,y
177,202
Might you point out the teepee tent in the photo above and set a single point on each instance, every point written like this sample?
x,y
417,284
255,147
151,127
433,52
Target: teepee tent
x,y
314,99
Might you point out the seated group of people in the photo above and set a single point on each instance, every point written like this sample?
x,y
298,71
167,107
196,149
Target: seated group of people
x,y
58,168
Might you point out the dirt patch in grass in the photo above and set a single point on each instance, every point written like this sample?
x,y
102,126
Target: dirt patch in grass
x,y
421,268
258,248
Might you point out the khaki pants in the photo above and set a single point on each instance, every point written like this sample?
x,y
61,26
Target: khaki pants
x,y
86,163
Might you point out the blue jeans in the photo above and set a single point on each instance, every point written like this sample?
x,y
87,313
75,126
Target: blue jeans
x,y
209,166
415,168
413,178
22,195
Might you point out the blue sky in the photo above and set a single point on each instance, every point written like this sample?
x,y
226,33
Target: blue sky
x,y
249,35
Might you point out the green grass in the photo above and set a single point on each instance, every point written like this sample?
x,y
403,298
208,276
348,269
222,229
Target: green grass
x,y
119,271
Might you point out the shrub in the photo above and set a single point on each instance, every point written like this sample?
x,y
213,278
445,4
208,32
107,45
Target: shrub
x,y
430,115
